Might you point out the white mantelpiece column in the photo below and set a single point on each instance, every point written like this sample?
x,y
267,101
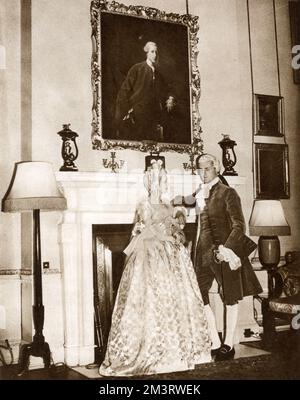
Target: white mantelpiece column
x,y
68,240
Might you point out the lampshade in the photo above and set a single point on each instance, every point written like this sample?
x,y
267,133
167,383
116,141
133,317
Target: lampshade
x,y
33,186
267,219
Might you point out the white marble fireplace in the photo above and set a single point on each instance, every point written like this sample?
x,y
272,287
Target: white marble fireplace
x,y
96,198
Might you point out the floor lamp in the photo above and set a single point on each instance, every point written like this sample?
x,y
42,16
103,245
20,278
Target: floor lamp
x,y
33,188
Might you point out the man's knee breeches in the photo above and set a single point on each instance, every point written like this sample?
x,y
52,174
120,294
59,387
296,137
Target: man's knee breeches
x,y
230,282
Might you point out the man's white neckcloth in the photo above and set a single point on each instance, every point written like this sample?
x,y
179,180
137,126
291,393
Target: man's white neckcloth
x,y
204,193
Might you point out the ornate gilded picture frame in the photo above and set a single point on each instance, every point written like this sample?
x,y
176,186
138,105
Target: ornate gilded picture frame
x,y
124,85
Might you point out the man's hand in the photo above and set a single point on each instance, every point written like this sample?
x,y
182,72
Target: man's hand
x,y
170,103
219,256
229,256
129,116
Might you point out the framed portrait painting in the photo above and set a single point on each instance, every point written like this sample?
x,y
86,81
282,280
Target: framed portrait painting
x,y
271,171
145,80
268,115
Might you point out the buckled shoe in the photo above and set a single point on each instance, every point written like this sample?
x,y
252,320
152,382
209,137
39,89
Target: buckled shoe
x,y
225,353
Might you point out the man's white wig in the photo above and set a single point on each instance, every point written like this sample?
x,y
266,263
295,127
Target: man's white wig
x,y
148,45
211,158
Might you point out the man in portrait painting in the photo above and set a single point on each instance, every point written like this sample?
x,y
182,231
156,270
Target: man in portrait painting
x,y
145,100
269,115
268,118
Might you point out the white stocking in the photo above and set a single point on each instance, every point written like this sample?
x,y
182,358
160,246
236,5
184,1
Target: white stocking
x,y
211,321
231,321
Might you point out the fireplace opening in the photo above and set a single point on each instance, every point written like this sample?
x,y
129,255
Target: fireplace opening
x,y
109,241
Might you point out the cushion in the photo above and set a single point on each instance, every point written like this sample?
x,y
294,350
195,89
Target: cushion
x,y
287,305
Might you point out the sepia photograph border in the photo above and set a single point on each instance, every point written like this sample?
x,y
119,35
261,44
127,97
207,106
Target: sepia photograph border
x,y
191,22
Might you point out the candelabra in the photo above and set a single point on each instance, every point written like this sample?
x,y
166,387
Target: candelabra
x,y
112,163
194,153
191,165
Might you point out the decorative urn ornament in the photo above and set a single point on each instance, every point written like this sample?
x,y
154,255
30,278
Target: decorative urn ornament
x,y
69,149
228,155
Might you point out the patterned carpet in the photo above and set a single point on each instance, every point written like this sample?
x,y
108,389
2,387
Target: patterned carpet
x,y
262,367
282,363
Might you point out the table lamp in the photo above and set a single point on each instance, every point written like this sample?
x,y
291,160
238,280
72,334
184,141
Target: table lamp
x,y
33,188
268,222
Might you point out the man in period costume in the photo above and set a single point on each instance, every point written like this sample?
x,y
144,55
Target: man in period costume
x,y
221,251
142,99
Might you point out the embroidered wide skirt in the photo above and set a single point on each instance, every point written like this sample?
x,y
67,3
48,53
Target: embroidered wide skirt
x,y
158,322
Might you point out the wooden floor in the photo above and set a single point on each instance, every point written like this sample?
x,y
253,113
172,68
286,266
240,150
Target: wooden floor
x,y
59,373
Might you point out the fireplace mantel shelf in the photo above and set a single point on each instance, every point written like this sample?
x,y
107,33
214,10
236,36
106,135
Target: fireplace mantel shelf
x,y
90,177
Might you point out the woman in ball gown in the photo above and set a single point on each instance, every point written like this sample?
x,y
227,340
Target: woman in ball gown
x,y
158,322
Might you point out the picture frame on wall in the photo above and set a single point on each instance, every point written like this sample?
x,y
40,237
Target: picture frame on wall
x,y
124,115
268,115
271,171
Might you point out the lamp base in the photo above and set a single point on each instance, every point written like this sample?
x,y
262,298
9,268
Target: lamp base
x,y
269,257
269,251
36,349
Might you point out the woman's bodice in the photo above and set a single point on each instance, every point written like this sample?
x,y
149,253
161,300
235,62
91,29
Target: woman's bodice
x,y
156,216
